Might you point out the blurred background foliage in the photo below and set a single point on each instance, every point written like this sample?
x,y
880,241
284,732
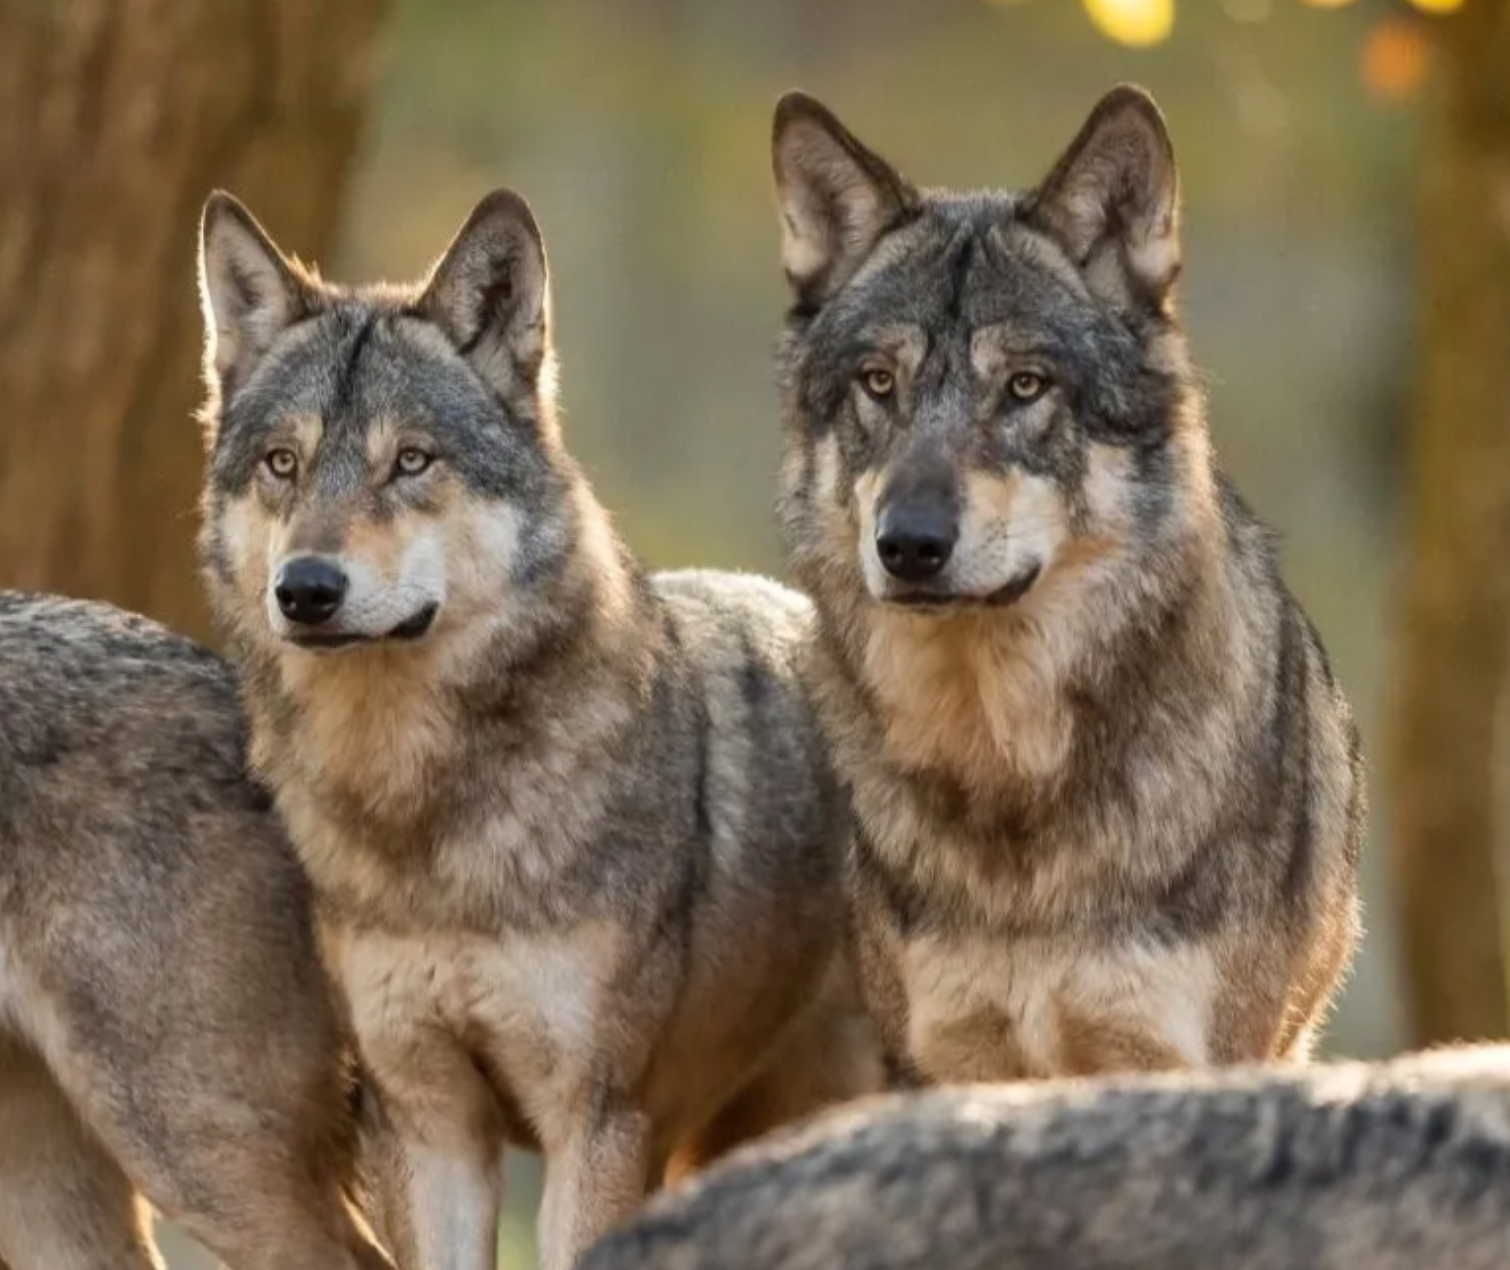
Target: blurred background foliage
x,y
638,129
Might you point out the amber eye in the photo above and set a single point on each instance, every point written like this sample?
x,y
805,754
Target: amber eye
x,y
1027,385
282,463
411,462
877,382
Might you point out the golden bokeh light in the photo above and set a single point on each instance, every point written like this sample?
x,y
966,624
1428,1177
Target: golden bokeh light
x,y
1135,23
1395,59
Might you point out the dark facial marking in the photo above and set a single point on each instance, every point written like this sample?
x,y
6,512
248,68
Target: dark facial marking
x,y
962,274
346,376
382,373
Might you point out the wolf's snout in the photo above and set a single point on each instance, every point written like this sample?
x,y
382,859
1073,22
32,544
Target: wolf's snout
x,y
914,542
309,590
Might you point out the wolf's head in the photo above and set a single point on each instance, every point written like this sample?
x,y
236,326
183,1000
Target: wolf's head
x,y
385,465
983,392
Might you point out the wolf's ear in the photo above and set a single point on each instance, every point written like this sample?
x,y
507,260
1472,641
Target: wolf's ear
x,y
491,292
836,197
1113,201
247,289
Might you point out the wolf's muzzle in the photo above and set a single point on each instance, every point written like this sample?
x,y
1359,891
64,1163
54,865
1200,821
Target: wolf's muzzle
x,y
309,590
914,542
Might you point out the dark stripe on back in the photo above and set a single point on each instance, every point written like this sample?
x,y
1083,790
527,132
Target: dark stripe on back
x,y
754,680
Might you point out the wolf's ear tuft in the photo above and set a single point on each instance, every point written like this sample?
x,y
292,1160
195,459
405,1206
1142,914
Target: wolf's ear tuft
x,y
836,198
1112,201
490,292
248,291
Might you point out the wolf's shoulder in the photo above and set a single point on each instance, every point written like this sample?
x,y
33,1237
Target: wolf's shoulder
x,y
716,602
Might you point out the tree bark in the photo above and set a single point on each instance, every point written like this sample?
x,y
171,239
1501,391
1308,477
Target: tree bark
x,y
1457,579
117,118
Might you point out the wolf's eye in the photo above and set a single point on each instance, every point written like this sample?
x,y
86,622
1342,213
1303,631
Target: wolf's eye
x,y
1027,385
877,382
282,463
411,462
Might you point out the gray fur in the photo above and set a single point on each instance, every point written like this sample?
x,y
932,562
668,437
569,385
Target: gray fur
x,y
1102,740
1391,1167
165,1026
576,843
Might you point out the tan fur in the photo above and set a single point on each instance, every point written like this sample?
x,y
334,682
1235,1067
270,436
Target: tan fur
x,y
957,697
575,842
971,1047
1108,794
1090,1044
827,1057
1047,1003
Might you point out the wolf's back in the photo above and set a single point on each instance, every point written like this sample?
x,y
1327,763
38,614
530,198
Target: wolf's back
x,y
746,639
1400,1166
126,811
92,699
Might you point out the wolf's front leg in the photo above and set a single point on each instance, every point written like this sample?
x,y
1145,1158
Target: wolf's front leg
x,y
432,1155
433,1194
593,1180
454,1198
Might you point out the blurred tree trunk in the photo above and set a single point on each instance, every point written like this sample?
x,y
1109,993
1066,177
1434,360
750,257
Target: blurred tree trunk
x,y
117,118
1457,584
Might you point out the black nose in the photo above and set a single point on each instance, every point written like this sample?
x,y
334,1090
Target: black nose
x,y
915,542
309,590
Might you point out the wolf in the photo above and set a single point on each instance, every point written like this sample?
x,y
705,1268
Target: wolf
x,y
167,1034
1352,1166
574,840
1108,793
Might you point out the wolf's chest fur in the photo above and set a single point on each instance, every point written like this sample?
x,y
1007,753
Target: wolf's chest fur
x,y
530,859
410,814
984,770
964,699
525,1008
990,1008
